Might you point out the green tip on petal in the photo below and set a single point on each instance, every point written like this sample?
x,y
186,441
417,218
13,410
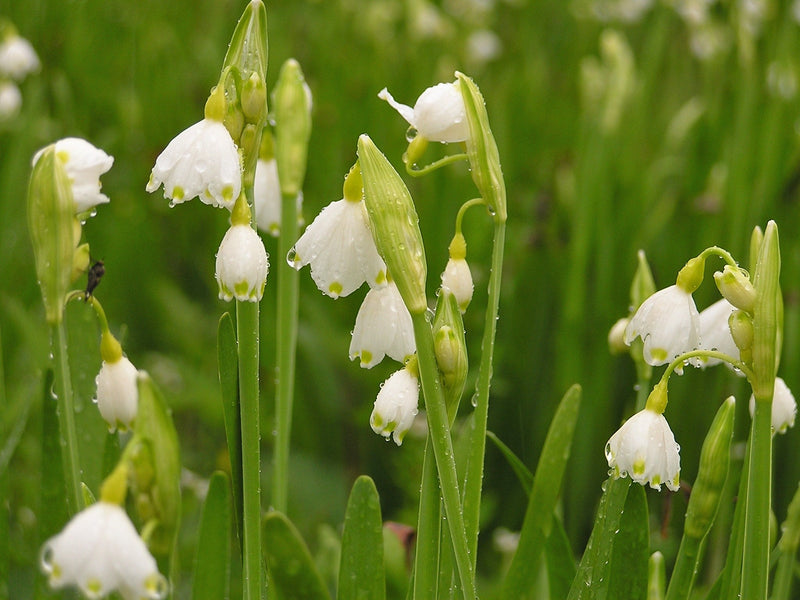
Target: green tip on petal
x,y
335,288
366,357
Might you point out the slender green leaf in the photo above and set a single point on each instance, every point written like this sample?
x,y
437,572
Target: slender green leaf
x,y
630,555
560,561
591,580
520,470
427,555
228,365
361,572
521,579
54,514
212,562
291,568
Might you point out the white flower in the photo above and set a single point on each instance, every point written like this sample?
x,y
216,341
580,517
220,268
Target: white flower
x,y
17,57
669,325
383,327
396,406
339,246
784,407
83,164
645,449
242,265
118,393
202,161
100,551
267,194
10,100
715,332
438,115
457,280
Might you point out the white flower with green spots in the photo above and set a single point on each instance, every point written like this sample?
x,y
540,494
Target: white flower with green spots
x,y
396,405
242,265
383,328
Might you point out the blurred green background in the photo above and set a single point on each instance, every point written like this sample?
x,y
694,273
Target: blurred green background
x,y
621,125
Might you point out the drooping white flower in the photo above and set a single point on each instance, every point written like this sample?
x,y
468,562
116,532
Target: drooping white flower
x,y
715,332
669,325
339,247
396,405
267,196
202,162
644,448
383,328
438,114
17,58
10,100
242,265
118,393
99,551
457,279
84,164
784,407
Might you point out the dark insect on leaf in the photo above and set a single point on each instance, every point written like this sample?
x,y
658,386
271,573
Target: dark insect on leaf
x,y
94,275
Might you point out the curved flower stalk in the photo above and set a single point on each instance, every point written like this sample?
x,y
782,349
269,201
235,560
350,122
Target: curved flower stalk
x,y
339,246
396,404
644,448
100,552
383,328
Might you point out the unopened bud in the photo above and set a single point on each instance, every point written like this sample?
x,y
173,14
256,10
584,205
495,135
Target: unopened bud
x,y
741,325
254,99
291,101
691,275
734,285
616,337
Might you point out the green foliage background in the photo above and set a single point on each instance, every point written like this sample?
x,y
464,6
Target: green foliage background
x,y
128,76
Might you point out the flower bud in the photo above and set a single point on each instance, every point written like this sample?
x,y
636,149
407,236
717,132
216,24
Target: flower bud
x,y
450,349
734,285
616,337
767,313
394,224
254,99
691,274
643,286
484,158
247,52
741,326
457,278
711,474
291,101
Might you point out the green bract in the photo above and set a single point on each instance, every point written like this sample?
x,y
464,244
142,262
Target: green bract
x,y
53,229
292,104
394,224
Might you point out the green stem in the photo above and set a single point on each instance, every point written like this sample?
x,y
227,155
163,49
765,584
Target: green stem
x,y
474,473
66,419
286,344
428,549
419,172
247,336
686,565
755,563
439,428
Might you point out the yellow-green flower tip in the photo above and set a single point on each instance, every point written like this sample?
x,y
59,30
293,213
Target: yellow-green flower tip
x,y
691,275
266,150
657,400
110,348
241,215
115,486
353,188
458,247
215,105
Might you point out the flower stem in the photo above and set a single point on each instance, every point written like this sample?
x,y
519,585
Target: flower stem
x,y
474,473
439,428
66,419
247,335
415,171
755,562
286,344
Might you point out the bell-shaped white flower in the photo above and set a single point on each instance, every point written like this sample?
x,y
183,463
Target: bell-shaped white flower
x,y
10,100
396,405
784,407
100,552
339,247
203,162
118,393
17,58
383,328
267,196
84,164
669,325
715,332
242,265
438,114
457,279
644,448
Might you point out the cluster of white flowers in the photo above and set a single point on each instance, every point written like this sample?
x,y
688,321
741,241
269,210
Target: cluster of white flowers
x,y
17,60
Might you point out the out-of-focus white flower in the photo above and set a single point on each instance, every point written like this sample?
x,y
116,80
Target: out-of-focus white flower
x,y
645,449
17,57
202,162
383,328
396,405
438,115
616,337
339,247
483,46
118,393
784,407
10,100
267,196
99,551
457,280
669,325
83,164
242,265
715,332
